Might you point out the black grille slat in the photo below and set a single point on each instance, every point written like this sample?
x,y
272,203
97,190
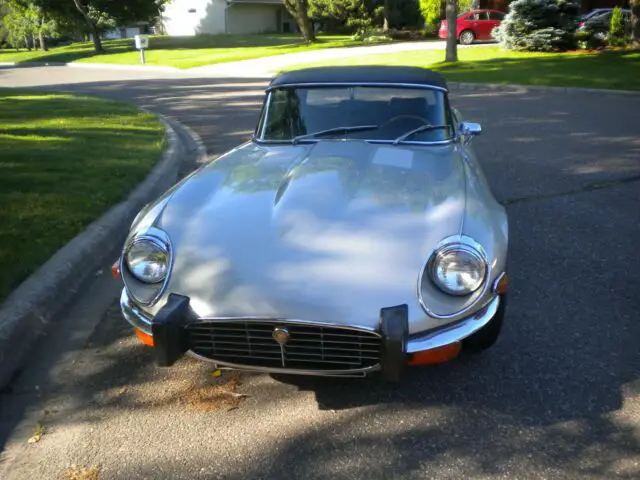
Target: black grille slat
x,y
310,347
324,340
292,349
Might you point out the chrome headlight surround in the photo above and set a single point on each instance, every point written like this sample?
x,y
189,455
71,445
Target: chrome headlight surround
x,y
147,259
449,254
146,291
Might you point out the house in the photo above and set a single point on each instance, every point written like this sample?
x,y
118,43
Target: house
x,y
127,31
240,17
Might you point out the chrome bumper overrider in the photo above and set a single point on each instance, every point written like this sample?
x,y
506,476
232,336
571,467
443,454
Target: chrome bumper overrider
x,y
439,337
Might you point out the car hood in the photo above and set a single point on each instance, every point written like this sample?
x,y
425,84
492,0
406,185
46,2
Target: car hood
x,y
328,231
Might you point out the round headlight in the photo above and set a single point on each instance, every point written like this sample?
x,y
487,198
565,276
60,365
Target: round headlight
x,y
457,269
148,260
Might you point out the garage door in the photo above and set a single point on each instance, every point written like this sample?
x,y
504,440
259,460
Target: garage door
x,y
245,19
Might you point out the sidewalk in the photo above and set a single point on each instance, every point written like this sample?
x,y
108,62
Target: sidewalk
x,y
267,67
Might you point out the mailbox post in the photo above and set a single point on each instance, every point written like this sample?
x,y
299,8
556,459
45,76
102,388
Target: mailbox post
x,y
142,42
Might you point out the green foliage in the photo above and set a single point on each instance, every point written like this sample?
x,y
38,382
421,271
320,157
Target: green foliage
x,y
539,25
404,14
590,40
24,21
339,16
431,11
364,16
617,37
464,6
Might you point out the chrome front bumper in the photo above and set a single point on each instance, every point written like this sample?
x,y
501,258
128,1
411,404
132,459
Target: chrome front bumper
x,y
440,337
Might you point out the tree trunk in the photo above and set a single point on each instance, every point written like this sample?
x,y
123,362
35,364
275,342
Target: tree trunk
x,y
299,10
452,41
97,43
386,13
42,41
635,22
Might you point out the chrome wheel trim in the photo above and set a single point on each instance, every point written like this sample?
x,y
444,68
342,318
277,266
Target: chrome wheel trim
x,y
467,37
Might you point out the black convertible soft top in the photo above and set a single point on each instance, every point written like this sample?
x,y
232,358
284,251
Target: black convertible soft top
x,y
368,74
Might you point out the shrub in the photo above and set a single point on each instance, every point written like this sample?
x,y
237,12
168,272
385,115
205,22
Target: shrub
x,y
590,40
431,11
404,14
539,25
341,16
617,35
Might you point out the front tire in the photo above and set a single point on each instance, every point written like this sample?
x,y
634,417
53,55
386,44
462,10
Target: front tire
x,y
467,37
487,335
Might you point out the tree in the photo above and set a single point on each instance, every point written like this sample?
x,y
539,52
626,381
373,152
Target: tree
x,y
452,33
617,36
94,17
25,20
431,11
342,15
401,14
539,25
635,21
299,9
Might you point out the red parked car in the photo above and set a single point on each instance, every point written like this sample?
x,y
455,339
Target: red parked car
x,y
474,25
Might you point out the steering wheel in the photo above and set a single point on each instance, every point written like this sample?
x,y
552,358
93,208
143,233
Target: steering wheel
x,y
405,115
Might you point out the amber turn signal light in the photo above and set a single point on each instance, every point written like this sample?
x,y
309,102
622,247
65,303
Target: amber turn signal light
x,y
502,284
115,269
144,337
436,355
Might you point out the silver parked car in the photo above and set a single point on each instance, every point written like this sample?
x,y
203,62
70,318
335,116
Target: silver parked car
x,y
354,233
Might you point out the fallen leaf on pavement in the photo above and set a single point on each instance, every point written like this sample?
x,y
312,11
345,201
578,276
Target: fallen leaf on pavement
x,y
74,472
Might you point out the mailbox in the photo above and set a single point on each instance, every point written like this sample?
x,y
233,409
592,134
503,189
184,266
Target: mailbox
x,y
142,41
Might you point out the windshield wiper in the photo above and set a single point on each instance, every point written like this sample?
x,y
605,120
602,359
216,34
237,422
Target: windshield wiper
x,y
329,131
422,128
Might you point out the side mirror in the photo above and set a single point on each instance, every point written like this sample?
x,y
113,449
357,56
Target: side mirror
x,y
470,130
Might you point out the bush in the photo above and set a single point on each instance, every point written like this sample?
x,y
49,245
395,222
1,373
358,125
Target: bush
x,y
539,25
404,14
431,11
617,37
590,40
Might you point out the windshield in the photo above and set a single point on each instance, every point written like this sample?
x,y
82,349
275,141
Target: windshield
x,y
354,112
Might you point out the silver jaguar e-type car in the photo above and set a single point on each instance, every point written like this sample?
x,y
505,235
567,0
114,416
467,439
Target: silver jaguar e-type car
x,y
354,233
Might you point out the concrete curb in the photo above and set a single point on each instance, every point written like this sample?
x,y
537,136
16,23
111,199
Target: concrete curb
x,y
30,310
503,87
95,66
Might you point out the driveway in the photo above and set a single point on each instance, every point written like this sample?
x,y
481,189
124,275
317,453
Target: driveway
x,y
557,397
269,66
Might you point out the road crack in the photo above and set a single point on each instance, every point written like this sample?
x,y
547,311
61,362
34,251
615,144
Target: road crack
x,y
587,188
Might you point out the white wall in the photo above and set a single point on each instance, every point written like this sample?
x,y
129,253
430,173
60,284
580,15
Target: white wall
x,y
131,32
208,17
128,32
245,19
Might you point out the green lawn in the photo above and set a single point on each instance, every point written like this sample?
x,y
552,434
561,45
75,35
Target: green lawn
x,y
614,70
181,52
65,159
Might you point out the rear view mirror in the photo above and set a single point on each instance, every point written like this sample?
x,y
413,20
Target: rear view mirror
x,y
470,130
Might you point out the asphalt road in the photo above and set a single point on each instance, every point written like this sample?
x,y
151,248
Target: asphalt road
x,y
557,397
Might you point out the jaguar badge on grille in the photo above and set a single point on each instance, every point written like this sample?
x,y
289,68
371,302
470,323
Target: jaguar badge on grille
x,y
281,335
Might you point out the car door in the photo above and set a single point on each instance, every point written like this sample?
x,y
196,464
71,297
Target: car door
x,y
495,19
481,26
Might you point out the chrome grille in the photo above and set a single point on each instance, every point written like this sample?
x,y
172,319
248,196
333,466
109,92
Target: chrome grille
x,y
310,347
